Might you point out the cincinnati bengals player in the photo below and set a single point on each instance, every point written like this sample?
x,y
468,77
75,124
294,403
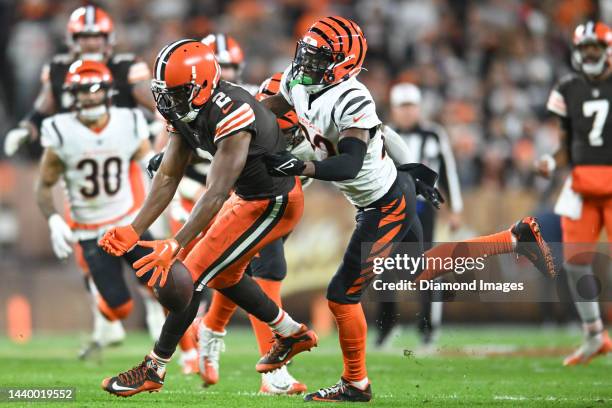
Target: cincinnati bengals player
x,y
581,100
89,36
226,121
339,118
95,150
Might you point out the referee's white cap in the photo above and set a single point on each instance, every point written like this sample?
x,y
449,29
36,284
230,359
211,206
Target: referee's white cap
x,y
405,93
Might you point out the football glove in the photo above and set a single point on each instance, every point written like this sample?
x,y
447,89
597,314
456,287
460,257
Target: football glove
x,y
14,139
424,182
119,240
154,164
283,164
163,256
61,236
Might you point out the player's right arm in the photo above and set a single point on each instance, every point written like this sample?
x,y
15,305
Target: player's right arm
x,y
28,127
51,169
557,105
117,241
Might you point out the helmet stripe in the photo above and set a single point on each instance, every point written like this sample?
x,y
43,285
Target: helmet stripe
x,y
221,43
164,56
338,36
324,37
90,15
347,30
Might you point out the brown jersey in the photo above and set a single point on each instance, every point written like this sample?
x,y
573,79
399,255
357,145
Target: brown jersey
x,y
585,105
231,110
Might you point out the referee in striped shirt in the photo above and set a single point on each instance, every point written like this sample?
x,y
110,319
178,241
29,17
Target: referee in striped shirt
x,y
427,143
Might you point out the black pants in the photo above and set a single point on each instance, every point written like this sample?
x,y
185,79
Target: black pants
x,y
107,271
392,218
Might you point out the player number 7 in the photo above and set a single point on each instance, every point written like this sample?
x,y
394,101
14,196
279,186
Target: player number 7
x,y
599,108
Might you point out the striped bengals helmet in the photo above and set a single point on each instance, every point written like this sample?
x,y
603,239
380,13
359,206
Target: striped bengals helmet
x,y
331,51
89,20
270,87
590,33
89,77
185,75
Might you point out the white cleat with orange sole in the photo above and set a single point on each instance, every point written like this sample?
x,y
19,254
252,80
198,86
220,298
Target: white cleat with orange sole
x,y
210,347
593,346
280,382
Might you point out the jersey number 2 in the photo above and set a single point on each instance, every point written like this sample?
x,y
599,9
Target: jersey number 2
x,y
91,167
599,108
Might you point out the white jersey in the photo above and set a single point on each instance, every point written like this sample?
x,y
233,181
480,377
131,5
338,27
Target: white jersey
x,y
346,105
98,166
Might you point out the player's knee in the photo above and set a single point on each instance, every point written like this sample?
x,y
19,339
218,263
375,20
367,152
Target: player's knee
x,y
113,313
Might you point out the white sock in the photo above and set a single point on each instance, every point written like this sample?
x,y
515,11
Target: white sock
x,y
361,384
588,308
284,325
161,362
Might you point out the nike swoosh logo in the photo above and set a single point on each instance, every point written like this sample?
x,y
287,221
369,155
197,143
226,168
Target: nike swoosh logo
x,y
287,165
225,110
358,118
116,387
284,356
164,250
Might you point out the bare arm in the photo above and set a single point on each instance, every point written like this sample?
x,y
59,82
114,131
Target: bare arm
x,y
164,184
226,166
43,104
546,164
143,151
51,169
343,161
277,104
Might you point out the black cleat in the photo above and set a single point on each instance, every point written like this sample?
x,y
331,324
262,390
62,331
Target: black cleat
x,y
530,244
284,348
341,391
141,378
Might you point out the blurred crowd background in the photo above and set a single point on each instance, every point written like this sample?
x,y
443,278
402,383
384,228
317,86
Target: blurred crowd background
x,y
485,67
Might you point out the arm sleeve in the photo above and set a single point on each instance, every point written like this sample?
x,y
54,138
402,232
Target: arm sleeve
x,y
395,147
449,171
284,85
345,165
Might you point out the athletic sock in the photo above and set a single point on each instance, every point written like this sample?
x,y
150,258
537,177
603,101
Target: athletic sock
x,y
284,324
494,244
161,363
352,331
262,331
585,299
221,311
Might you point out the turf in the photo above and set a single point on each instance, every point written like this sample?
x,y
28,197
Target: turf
x,y
494,366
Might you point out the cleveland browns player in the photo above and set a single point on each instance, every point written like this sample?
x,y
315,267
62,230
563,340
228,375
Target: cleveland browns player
x,y
339,118
242,210
97,150
581,100
89,36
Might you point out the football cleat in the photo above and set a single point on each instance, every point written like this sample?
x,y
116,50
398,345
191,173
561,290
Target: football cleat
x,y
593,346
210,347
189,362
530,244
143,377
280,382
284,348
341,391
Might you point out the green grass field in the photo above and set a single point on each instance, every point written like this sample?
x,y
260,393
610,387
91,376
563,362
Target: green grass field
x,y
500,366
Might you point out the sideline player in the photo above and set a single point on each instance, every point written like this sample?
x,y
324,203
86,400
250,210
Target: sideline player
x,y
339,117
581,100
96,150
230,124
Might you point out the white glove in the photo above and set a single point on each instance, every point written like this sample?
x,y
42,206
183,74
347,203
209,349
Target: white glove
x,y
61,236
15,138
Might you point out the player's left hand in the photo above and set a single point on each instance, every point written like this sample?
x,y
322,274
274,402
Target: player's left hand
x,y
283,164
163,256
429,193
